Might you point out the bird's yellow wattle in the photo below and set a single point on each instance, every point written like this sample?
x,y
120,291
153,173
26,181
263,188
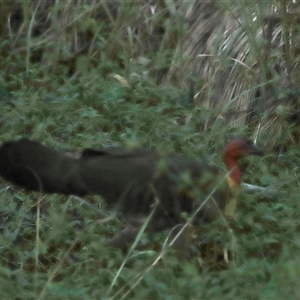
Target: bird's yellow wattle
x,y
232,203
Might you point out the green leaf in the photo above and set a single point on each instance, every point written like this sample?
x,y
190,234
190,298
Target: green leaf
x,y
267,179
270,240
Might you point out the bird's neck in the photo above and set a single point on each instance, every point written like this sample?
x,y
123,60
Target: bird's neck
x,y
233,167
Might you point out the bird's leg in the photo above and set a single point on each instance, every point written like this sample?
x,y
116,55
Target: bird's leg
x,y
182,236
129,233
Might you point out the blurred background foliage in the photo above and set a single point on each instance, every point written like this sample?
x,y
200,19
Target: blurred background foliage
x,y
173,75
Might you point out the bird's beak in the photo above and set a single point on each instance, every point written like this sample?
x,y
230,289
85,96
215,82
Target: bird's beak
x,y
254,150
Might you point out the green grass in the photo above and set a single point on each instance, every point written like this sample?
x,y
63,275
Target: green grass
x,y
54,247
63,253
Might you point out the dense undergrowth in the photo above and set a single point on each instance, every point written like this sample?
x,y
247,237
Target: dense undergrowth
x,y
54,247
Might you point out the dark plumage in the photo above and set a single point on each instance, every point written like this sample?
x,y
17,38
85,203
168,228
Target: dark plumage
x,y
129,180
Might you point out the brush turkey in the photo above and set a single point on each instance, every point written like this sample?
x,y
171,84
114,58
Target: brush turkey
x,y
133,181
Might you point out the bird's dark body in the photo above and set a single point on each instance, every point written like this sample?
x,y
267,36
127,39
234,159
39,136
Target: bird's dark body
x,y
129,180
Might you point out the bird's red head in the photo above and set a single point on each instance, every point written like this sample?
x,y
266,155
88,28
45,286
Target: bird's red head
x,y
235,150
238,148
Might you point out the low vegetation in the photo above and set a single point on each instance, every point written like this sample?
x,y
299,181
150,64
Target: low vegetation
x,y
54,247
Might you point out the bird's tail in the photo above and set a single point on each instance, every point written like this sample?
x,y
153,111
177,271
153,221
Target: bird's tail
x,y
35,167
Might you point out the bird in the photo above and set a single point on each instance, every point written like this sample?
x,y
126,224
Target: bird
x,y
142,184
